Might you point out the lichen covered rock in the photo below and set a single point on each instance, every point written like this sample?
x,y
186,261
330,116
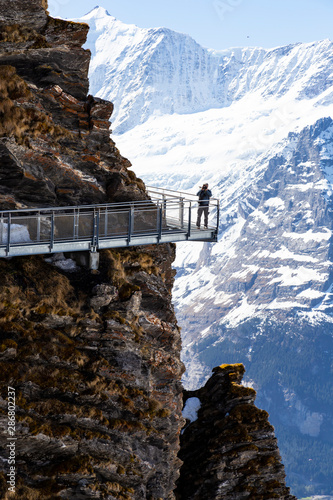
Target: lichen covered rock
x,y
230,451
94,357
55,146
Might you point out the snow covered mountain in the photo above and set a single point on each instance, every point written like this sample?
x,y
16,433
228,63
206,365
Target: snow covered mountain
x,y
256,124
158,71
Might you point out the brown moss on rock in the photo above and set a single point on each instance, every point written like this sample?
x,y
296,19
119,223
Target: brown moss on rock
x,y
126,290
68,390
18,34
41,286
231,446
97,381
23,123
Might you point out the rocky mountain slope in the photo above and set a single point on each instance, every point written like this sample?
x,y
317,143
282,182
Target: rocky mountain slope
x,y
256,124
93,357
273,311
90,363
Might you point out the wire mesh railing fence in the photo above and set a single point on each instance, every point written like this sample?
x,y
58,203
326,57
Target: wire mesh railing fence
x,y
164,213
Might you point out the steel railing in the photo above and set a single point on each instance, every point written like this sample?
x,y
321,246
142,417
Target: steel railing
x,y
166,216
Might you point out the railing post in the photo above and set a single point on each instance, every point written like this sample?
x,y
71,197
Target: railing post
x,y
76,216
217,217
95,235
8,233
97,229
94,230
157,213
189,220
78,224
52,232
159,223
38,226
1,229
164,205
181,212
130,224
74,225
106,222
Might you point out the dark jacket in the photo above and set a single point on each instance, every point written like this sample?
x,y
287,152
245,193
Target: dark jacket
x,y
204,195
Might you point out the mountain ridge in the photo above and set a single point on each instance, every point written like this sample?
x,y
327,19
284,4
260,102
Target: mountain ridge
x,y
170,86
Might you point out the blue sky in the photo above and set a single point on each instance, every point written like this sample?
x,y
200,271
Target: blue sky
x,y
219,24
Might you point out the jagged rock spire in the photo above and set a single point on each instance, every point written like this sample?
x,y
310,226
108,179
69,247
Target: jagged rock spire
x,y
230,452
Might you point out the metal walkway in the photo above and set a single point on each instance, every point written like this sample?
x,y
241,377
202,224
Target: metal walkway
x,y
168,216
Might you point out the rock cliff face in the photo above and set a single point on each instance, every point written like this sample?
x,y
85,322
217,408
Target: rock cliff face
x,y
230,451
92,357
55,147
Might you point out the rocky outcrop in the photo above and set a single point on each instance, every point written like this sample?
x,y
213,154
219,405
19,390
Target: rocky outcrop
x,y
55,147
94,360
93,357
230,452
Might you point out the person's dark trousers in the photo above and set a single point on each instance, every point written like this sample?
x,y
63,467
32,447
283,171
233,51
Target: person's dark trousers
x,y
203,210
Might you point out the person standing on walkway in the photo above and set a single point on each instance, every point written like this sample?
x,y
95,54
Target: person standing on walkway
x,y
204,195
